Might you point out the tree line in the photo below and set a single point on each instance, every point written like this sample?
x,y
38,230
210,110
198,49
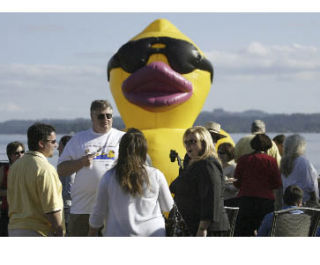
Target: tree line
x,y
232,122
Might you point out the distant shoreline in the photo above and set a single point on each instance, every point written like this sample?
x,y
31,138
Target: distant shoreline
x,y
232,122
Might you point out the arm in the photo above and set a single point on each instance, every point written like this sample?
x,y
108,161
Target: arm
x,y
315,182
69,167
209,189
275,183
266,225
49,189
274,152
93,231
229,178
203,227
99,214
237,175
165,198
55,218
206,184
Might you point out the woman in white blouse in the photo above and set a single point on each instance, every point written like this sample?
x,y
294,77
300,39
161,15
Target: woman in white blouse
x,y
131,196
296,169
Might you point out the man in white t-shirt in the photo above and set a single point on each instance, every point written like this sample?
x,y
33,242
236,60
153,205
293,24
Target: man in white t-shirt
x,y
89,154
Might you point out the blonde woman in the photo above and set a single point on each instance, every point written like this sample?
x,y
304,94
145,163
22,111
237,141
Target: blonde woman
x,y
199,188
131,195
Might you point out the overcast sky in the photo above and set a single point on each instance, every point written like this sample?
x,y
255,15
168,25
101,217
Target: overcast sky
x,y
52,65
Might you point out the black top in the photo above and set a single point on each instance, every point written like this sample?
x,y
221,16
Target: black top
x,y
199,195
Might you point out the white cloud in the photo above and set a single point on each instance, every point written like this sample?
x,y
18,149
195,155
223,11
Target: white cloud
x,y
275,61
50,91
10,107
38,77
65,91
256,48
48,70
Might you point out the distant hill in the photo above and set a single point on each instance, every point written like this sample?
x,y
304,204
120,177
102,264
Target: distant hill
x,y
61,126
232,122
237,122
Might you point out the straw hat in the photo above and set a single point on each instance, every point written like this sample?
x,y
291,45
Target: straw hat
x,y
214,127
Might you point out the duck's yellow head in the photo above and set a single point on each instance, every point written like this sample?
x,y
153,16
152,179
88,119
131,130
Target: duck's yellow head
x,y
160,78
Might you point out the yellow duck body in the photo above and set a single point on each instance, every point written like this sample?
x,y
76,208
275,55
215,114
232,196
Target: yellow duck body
x,y
162,124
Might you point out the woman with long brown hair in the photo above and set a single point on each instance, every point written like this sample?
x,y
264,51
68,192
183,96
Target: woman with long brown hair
x,y
131,195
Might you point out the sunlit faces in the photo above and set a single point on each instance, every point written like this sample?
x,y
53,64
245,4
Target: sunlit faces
x,y
193,146
17,154
49,145
102,120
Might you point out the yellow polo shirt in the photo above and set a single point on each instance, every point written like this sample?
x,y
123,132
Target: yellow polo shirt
x,y
34,189
243,147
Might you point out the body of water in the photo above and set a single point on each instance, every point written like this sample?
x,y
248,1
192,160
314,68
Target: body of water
x,y
312,150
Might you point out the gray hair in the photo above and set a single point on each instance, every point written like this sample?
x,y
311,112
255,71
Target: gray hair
x,y
258,126
100,104
294,146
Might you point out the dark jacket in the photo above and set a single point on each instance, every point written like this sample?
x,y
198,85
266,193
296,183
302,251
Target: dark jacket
x,y
199,195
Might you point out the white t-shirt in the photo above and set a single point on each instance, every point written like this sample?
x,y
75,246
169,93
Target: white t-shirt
x,y
125,215
83,190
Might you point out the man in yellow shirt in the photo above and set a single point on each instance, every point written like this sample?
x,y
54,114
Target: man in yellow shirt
x,y
34,189
243,146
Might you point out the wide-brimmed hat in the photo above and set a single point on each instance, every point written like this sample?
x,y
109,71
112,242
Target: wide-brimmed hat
x,y
214,127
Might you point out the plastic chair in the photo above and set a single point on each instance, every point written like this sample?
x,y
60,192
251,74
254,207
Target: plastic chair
x,y
289,223
232,213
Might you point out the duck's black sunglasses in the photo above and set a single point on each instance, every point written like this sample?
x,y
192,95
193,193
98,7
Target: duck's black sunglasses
x,y
182,56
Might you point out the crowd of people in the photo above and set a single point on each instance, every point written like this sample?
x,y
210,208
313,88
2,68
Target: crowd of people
x,y
105,184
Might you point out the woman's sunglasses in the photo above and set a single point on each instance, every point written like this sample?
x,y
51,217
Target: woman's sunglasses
x,y
190,142
182,56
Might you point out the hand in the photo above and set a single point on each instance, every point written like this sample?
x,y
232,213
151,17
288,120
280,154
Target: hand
x,y
93,231
86,160
202,232
230,180
58,231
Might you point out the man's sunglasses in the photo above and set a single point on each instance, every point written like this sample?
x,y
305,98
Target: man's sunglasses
x,y
182,56
52,141
19,153
102,116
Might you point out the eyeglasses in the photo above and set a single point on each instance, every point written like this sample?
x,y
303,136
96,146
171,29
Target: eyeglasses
x,y
19,153
182,56
101,116
52,141
190,142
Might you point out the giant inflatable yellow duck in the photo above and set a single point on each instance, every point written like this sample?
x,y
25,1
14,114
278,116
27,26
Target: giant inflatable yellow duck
x,y
160,80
